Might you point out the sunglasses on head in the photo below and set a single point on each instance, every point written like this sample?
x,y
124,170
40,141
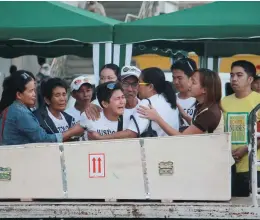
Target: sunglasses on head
x,y
111,86
184,61
25,76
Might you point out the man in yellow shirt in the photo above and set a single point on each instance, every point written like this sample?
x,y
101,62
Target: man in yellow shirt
x,y
236,108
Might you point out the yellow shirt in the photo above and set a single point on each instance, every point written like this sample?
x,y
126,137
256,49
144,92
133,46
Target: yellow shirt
x,y
235,115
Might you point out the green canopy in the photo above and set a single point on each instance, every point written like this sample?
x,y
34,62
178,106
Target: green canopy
x,y
50,29
217,20
50,21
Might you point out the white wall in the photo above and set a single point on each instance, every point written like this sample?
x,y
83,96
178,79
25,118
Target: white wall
x,y
28,63
4,71
5,65
74,3
80,4
168,6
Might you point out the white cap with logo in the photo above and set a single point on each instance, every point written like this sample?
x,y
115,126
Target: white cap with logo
x,y
78,82
127,71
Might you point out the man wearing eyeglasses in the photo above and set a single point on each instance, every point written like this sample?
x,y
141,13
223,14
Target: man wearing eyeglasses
x,y
129,80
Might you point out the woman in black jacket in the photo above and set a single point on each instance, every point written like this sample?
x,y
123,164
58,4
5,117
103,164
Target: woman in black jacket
x,y
51,116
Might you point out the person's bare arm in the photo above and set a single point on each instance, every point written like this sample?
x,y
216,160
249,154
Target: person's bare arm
x,y
171,131
184,114
76,130
152,114
93,112
118,135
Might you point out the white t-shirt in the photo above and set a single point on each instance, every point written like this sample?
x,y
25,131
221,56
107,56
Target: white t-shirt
x,y
61,124
188,106
96,102
171,116
75,113
103,126
127,114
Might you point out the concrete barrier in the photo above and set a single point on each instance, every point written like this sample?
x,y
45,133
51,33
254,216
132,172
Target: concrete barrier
x,y
30,171
104,170
195,167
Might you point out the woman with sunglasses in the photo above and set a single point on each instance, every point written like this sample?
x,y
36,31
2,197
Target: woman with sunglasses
x,y
18,123
206,88
154,89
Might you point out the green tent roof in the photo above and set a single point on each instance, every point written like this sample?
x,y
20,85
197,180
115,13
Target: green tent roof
x,y
50,21
217,20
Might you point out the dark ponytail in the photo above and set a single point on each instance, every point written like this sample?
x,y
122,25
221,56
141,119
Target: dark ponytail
x,y
8,96
155,76
12,84
169,94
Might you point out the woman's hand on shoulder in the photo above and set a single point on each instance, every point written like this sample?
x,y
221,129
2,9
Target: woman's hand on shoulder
x,y
148,112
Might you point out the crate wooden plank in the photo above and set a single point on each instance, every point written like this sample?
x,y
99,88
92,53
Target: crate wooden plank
x,y
35,171
192,167
104,170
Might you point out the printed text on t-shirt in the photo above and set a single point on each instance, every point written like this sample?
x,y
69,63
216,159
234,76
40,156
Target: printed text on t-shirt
x,y
105,132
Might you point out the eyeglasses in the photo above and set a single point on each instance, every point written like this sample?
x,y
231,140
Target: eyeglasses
x,y
111,86
126,85
143,83
25,76
77,82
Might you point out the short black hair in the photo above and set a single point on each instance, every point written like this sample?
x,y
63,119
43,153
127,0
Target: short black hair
x,y
41,60
113,67
187,65
248,67
12,69
52,83
104,93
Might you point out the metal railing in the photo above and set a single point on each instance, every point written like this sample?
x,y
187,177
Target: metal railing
x,y
148,9
253,161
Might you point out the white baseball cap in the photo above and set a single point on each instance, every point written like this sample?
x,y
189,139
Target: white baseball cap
x,y
78,82
127,71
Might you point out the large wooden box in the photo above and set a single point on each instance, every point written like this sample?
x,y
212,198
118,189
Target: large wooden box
x,y
194,167
30,171
104,170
